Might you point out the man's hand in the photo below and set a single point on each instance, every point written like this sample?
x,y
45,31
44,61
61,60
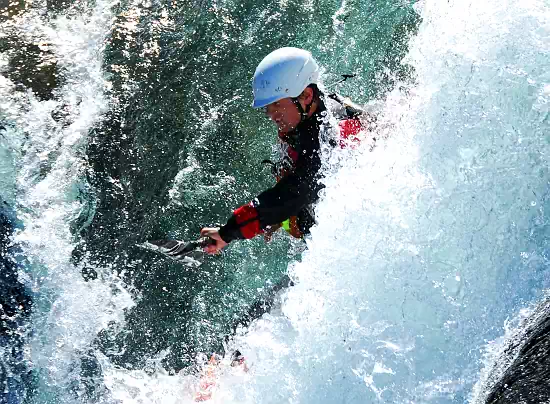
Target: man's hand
x,y
213,233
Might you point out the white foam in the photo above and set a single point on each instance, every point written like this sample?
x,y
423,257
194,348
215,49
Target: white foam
x,y
417,241
417,257
68,312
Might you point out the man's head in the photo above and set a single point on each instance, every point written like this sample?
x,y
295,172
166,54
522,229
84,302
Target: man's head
x,y
284,85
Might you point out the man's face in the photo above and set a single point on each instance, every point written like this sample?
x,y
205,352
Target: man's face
x,y
284,113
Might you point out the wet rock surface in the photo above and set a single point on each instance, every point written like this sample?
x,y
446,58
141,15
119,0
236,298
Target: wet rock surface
x,y
15,307
11,8
527,354
31,63
32,66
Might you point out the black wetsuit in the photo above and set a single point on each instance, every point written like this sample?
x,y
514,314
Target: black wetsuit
x,y
293,194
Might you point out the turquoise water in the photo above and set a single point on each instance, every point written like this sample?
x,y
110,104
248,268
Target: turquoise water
x,y
423,248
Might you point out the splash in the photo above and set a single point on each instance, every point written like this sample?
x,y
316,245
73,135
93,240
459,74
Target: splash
x,y
425,245
47,141
423,248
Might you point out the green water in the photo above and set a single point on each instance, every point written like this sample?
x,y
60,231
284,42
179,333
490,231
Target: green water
x,y
181,148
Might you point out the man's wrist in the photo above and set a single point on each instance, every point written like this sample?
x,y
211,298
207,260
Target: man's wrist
x,y
230,231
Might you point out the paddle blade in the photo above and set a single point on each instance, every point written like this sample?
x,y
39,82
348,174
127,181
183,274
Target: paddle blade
x,y
180,251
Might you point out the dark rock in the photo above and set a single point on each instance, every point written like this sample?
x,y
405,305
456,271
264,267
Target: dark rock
x,y
15,307
33,65
527,362
11,8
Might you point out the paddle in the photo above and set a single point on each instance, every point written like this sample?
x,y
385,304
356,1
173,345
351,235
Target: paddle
x,y
180,251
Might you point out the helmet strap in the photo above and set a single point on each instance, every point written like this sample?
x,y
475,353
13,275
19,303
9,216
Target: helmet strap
x,y
303,114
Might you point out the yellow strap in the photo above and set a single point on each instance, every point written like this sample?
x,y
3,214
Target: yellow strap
x,y
286,225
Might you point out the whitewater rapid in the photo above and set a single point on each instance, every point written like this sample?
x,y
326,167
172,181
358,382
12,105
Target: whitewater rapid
x,y
428,244
424,247
45,181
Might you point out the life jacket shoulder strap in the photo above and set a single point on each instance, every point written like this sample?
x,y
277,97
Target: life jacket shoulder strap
x,y
353,111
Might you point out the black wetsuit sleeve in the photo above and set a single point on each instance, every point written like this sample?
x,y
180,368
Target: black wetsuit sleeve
x,y
287,198
293,192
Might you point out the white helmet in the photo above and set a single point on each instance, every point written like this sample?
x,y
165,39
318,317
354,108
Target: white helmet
x,y
283,73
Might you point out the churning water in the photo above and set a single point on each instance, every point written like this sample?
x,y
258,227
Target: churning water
x,y
425,247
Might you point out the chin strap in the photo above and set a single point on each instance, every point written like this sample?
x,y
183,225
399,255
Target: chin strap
x,y
303,114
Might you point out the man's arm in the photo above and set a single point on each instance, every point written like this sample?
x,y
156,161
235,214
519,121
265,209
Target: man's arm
x,y
290,195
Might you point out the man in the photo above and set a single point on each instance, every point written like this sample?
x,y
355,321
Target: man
x,y
285,86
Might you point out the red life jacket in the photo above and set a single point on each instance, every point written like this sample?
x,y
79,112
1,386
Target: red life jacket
x,y
349,132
